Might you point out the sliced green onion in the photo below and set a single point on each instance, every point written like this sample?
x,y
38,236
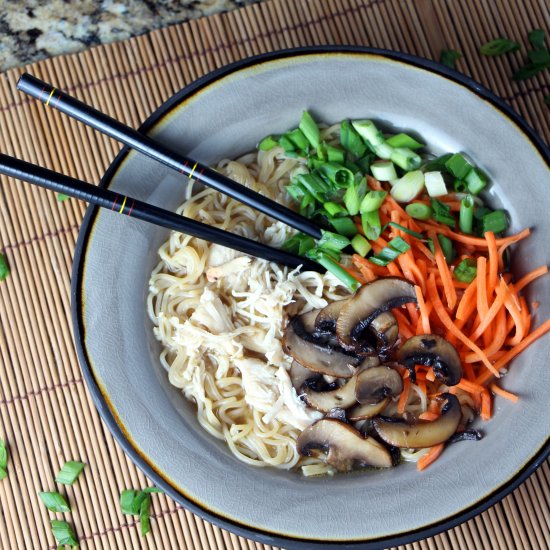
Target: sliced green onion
x,y
460,186
69,472
337,174
395,248
442,213
447,248
268,143
334,209
145,514
372,201
476,181
383,171
435,184
4,267
307,205
466,270
371,225
536,39
63,533
298,244
406,230
3,460
131,500
295,191
437,164
404,140
330,265
152,490
299,139
368,131
334,154
332,240
384,151
344,226
361,245
458,166
61,197
499,46
408,187
365,163
419,211
287,144
466,217
530,70
539,57
495,221
449,58
481,211
351,141
54,502
353,196
309,129
399,244
315,184
353,167
406,159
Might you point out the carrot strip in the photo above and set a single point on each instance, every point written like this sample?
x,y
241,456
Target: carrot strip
x,y
503,393
492,279
470,387
444,272
430,375
499,336
486,406
405,328
430,457
515,313
423,326
451,327
404,397
531,276
482,306
428,416
487,319
467,304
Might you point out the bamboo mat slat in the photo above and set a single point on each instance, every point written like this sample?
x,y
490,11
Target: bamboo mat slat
x,y
46,413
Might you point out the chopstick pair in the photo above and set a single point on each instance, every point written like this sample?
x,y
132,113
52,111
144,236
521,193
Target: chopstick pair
x,y
129,206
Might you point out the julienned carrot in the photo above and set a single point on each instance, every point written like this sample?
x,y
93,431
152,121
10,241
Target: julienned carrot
x,y
499,336
486,406
404,397
492,278
430,456
470,387
491,314
405,328
428,416
467,303
444,272
482,305
531,276
450,326
503,393
423,326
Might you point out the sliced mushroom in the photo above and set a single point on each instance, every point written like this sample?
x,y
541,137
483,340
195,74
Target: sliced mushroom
x,y
343,445
299,374
421,433
366,304
369,362
385,329
301,342
324,401
433,351
362,412
376,383
326,319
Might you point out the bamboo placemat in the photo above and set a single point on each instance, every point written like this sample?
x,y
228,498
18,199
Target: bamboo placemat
x,y
46,414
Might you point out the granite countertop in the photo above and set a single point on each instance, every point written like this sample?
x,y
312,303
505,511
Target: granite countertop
x,y
37,29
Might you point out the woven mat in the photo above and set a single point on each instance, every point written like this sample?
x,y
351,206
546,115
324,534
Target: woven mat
x,y
46,413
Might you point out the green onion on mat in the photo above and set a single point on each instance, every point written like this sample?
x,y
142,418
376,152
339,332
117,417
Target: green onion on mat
x,y
4,267
69,472
63,533
61,197
449,58
54,501
138,502
3,459
499,46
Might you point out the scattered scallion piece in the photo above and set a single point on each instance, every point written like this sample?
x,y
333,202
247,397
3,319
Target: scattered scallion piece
x,y
447,248
268,143
406,230
404,140
466,270
530,70
435,184
286,143
351,141
63,533
333,267
344,226
384,151
499,46
399,244
298,138
458,166
438,164
539,57
54,501
475,181
371,225
405,158
536,39
334,209
134,502
69,472
395,248
372,201
419,211
466,216
353,196
383,171
334,154
442,213
460,186
337,174
408,187
145,515
449,58
3,459
4,267
332,240
309,129
495,221
368,131
314,184
61,197
361,245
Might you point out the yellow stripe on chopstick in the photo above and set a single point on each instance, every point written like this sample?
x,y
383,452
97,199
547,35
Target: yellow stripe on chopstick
x,y
123,204
50,97
192,170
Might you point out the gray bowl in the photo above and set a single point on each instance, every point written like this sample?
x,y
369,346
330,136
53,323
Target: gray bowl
x,y
223,115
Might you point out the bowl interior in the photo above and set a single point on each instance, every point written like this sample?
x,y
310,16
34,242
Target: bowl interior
x,y
222,119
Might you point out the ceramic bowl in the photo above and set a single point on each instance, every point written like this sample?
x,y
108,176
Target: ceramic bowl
x,y
223,115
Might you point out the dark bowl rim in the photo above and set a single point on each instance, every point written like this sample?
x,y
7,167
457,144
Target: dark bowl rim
x,y
102,404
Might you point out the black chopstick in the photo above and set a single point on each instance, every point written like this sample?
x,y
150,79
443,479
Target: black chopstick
x,y
52,97
141,210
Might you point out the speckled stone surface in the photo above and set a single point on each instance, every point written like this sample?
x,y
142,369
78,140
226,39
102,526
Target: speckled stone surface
x,y
35,29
